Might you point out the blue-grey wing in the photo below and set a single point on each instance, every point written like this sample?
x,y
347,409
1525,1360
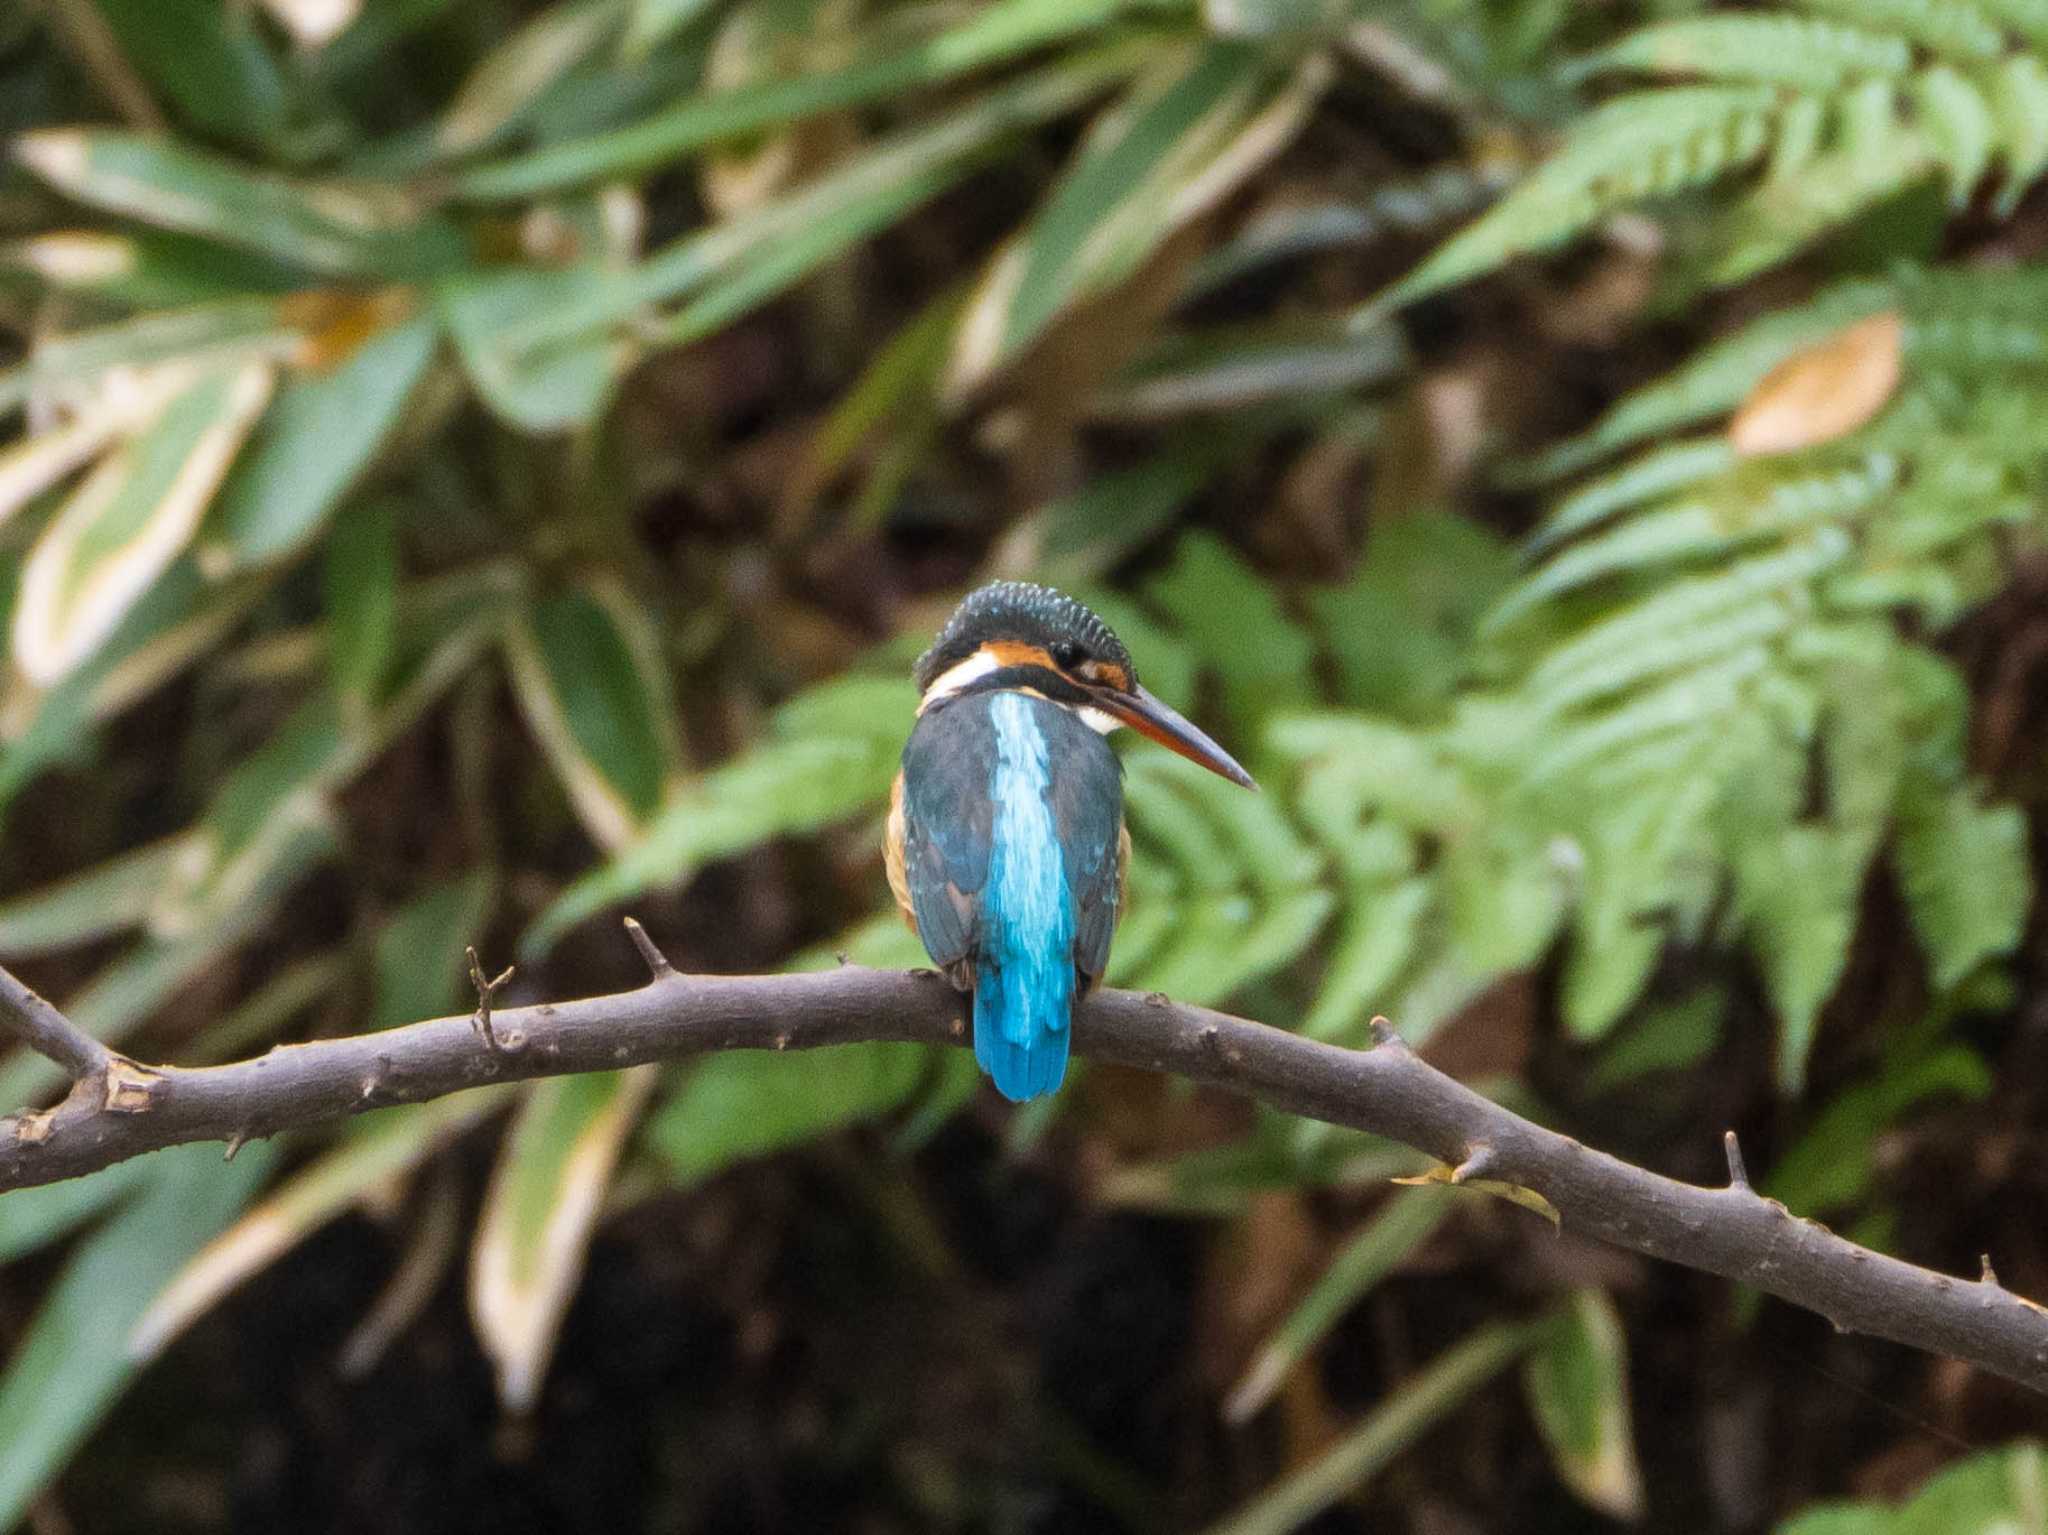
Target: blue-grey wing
x,y
948,826
1088,809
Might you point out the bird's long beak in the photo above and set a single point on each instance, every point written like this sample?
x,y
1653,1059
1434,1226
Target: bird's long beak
x,y
1166,725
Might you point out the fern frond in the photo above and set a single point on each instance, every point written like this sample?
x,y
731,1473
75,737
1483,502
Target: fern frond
x,y
1688,621
1719,377
1843,109
1659,472
1745,506
1651,144
2018,93
1954,29
1761,47
2026,18
1381,931
1957,120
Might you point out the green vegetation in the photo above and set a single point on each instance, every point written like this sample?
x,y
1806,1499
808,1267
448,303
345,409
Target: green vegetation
x,y
480,469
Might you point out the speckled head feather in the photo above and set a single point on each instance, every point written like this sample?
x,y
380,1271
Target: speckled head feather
x,y
1019,611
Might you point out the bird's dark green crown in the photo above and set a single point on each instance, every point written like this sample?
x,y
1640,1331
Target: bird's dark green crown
x,y
1019,612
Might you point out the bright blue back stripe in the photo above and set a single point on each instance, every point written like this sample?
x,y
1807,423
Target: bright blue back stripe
x,y
1024,988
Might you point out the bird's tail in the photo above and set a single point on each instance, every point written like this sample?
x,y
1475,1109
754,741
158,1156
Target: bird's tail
x,y
1022,1014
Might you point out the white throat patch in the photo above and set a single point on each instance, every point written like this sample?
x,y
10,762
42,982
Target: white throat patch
x,y
951,681
965,673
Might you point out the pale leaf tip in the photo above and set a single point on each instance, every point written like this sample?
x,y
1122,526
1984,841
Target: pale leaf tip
x,y
61,156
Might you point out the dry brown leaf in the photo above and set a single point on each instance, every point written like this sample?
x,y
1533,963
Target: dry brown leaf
x,y
1514,1193
1824,392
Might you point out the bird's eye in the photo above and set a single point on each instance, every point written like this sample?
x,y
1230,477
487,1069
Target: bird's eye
x,y
1066,654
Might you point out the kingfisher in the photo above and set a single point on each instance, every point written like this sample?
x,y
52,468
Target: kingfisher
x,y
1006,844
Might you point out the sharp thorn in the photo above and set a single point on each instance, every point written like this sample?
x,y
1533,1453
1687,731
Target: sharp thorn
x,y
1738,1174
1989,1275
658,967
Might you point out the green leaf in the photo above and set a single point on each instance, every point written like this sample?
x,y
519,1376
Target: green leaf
x,y
1720,376
1235,624
998,32
750,1103
1223,1179
131,987
1222,943
1964,871
1233,368
102,901
1577,1382
1610,959
832,752
730,267
513,74
350,231
1649,144
586,666
371,1155
1401,629
538,388
211,61
1504,896
1408,1220
118,375
1407,1412
272,801
1127,188
1799,892
149,269
2019,101
1259,844
652,22
313,444
361,578
1994,1492
1959,29
71,1364
133,516
1831,1166
1379,936
543,1204
32,1218
1086,532
1651,475
1785,49
1672,1037
419,952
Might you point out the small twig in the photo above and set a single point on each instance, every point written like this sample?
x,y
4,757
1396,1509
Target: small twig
x,y
1738,1174
1988,1275
48,1032
658,967
480,1020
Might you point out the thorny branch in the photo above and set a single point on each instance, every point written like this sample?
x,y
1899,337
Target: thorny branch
x,y
118,1110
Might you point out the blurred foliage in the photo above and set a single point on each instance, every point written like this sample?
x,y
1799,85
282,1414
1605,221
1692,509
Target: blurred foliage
x,y
473,468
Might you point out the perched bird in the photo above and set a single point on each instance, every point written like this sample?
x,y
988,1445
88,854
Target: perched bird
x,y
1006,844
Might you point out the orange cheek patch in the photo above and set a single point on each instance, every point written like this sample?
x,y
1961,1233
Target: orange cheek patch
x,y
1017,653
